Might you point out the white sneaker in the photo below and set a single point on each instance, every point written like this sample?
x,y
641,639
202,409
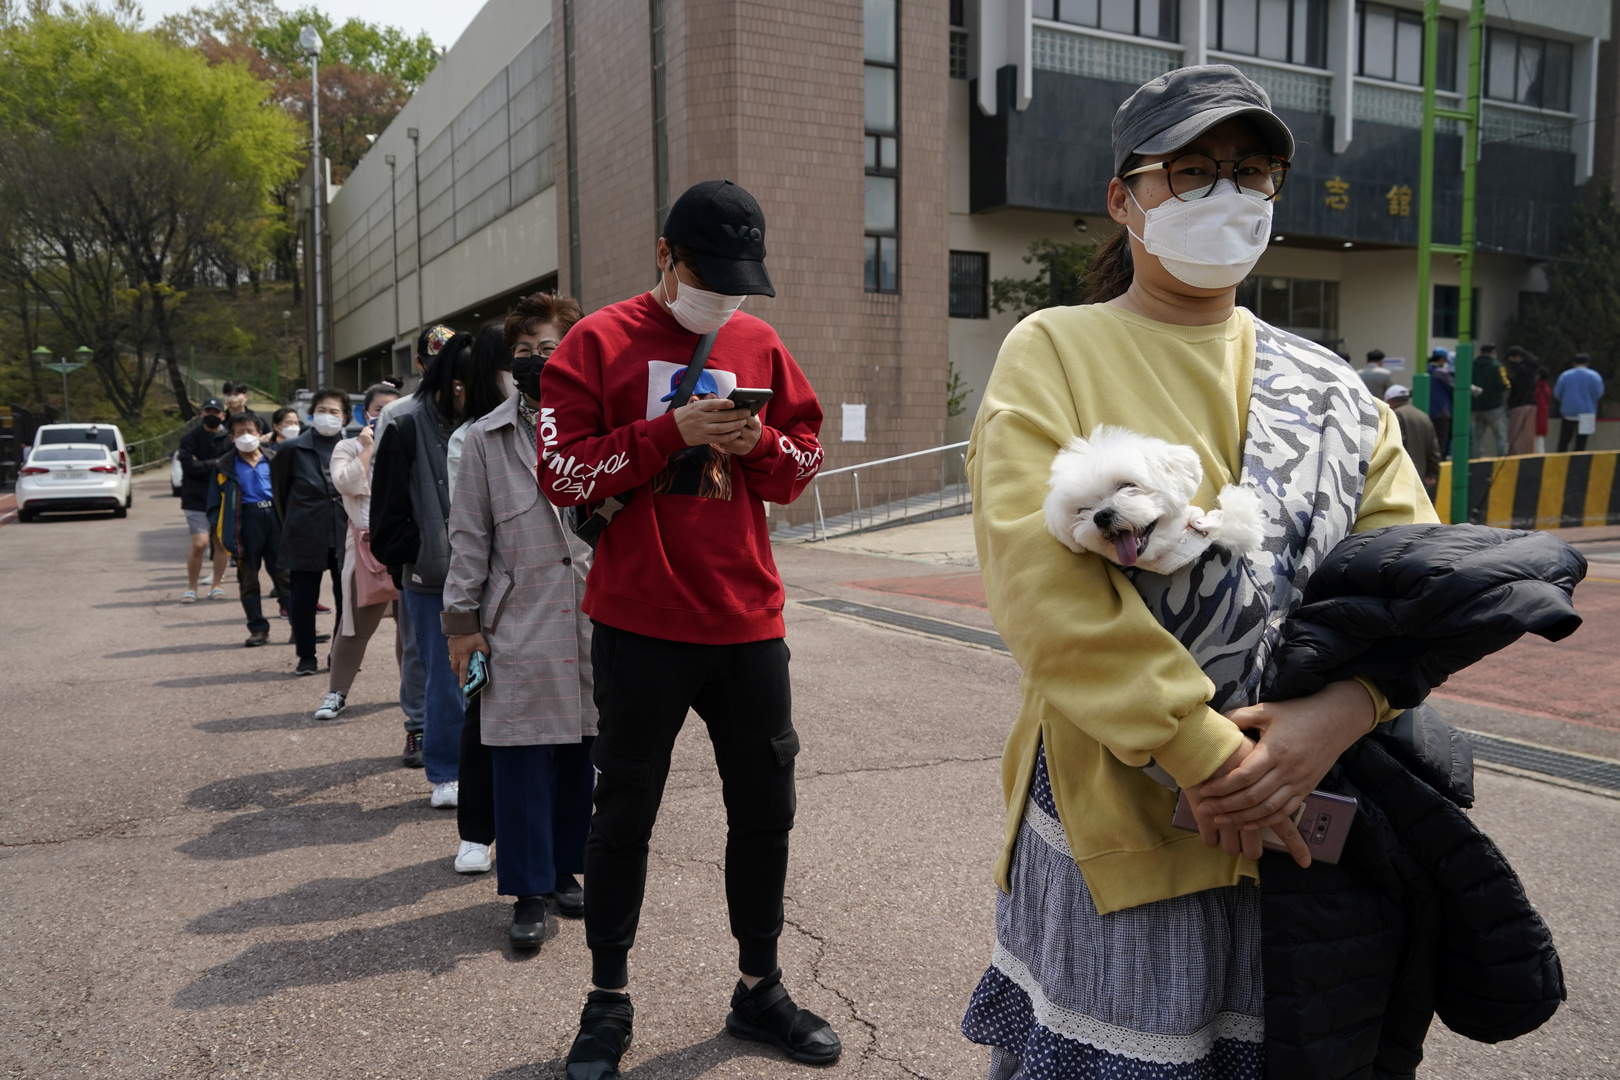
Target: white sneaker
x,y
445,795
189,596
330,707
473,858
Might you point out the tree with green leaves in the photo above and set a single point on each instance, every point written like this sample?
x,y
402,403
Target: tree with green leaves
x,y
1061,280
1580,311
126,164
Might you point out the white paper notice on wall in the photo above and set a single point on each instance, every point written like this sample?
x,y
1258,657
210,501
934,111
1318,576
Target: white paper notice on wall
x,y
1394,363
854,423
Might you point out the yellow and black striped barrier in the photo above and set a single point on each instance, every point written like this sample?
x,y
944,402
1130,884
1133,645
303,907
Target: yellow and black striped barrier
x,y
1538,491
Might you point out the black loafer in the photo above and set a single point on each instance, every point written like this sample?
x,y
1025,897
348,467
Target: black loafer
x,y
532,923
767,1014
570,897
605,1030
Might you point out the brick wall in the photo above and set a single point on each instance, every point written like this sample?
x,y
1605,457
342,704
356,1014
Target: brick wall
x,y
771,95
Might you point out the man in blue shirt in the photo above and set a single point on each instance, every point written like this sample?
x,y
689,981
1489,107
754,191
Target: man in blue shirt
x,y
242,515
1577,392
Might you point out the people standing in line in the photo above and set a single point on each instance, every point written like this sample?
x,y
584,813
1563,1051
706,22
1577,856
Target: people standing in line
x,y
1490,405
517,578
236,404
1117,934
410,507
1374,374
1577,391
1442,382
1418,436
684,597
241,512
199,449
313,522
1522,373
284,426
412,673
358,620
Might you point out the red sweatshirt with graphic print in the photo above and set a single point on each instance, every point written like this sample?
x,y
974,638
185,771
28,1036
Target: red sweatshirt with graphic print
x,y
689,558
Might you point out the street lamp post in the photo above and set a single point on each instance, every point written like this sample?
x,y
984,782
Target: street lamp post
x,y
310,41
66,367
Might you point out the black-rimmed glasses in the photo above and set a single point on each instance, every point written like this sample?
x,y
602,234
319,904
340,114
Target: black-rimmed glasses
x,y
1193,176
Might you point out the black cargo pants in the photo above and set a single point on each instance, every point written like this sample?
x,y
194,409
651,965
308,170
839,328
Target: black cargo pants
x,y
644,687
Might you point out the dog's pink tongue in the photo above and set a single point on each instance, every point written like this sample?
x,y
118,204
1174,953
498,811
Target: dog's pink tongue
x,y
1125,548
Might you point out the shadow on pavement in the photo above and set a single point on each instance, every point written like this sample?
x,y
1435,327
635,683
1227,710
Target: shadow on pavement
x,y
290,721
433,944
164,545
330,899
311,825
173,650
284,787
213,681
687,1063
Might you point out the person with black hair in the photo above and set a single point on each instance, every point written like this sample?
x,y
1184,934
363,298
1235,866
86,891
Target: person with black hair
x,y
1375,375
284,426
241,512
199,449
313,521
410,488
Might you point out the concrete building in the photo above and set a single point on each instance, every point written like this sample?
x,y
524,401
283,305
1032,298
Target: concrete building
x,y
907,153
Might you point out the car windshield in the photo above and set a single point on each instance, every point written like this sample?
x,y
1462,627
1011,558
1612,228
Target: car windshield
x,y
105,436
77,453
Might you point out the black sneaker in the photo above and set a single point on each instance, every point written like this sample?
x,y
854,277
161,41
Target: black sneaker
x,y
255,640
306,666
411,756
767,1014
605,1030
570,897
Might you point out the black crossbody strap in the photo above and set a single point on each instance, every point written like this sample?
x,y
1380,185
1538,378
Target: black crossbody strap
x,y
694,370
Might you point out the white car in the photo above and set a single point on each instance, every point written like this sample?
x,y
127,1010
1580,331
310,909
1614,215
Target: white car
x,y
107,435
177,474
71,476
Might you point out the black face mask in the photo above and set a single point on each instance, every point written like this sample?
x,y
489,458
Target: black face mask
x,y
212,422
526,373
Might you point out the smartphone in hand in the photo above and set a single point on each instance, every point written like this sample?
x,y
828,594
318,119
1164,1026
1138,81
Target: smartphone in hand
x,y
477,676
1323,819
751,398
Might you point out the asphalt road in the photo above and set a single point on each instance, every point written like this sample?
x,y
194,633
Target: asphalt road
x,y
198,880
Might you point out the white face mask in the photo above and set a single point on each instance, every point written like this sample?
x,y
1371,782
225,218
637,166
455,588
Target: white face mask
x,y
326,424
1212,242
508,384
247,442
699,310
289,431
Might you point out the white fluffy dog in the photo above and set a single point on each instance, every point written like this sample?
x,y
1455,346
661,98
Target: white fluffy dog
x,y
1128,498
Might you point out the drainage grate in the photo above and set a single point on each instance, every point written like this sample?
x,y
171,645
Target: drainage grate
x,y
918,624
1578,768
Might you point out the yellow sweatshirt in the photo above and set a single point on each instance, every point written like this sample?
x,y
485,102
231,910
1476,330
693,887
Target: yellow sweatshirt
x,y
1105,687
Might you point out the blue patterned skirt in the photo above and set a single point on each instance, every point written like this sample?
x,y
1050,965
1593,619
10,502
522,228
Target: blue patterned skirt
x,y
1170,990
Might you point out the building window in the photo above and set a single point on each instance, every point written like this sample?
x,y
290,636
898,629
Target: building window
x,y
1446,316
1392,46
970,285
882,146
959,54
1299,305
1528,70
1140,18
1292,31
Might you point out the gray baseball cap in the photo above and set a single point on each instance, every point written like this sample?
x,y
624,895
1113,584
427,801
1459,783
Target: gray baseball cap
x,y
1171,111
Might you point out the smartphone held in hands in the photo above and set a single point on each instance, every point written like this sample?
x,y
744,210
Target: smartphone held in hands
x,y
1323,819
477,676
751,398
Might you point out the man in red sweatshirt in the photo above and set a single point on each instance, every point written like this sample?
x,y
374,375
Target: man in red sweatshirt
x,y
685,597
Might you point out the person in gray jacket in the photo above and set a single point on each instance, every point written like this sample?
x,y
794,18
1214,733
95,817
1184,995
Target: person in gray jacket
x,y
410,507
517,576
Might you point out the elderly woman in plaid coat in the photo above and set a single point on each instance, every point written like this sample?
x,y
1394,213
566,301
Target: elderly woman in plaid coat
x,y
517,575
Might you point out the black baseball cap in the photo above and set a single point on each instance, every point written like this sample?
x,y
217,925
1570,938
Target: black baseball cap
x,y
725,229
1171,111
213,403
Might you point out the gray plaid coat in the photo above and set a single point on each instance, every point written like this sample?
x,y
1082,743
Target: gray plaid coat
x,y
517,573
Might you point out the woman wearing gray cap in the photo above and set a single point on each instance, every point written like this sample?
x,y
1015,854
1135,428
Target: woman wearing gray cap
x,y
1124,946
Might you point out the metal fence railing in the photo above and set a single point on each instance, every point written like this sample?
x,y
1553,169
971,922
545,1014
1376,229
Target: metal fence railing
x,y
891,490
149,453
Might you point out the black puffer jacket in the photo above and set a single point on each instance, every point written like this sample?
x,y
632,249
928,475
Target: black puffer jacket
x,y
1409,605
1422,915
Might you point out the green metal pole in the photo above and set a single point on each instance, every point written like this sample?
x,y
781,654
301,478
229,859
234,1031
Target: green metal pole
x,y
1462,409
1425,236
